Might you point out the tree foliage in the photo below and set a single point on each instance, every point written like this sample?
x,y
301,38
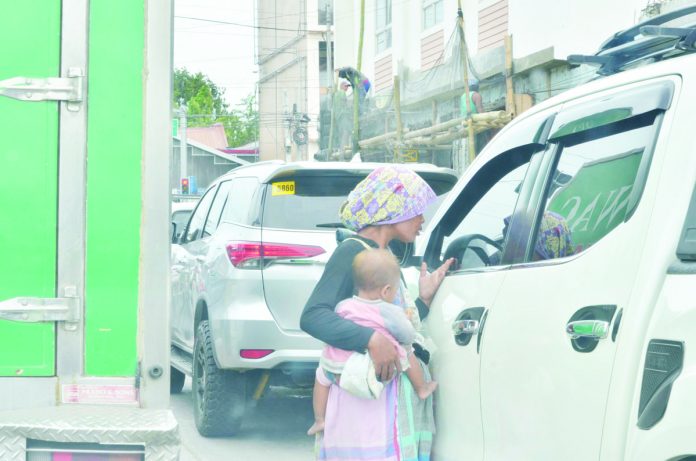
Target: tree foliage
x,y
206,106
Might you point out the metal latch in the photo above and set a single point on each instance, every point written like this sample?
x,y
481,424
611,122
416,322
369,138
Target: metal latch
x,y
32,310
69,89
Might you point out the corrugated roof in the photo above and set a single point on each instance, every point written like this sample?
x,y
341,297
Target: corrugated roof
x,y
251,148
212,136
215,152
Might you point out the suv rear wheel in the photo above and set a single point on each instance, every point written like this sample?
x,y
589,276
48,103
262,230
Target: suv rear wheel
x,y
218,395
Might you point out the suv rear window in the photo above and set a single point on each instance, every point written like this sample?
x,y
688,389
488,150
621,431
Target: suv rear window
x,y
310,201
303,201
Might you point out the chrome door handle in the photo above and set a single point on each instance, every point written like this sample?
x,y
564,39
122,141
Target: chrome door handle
x,y
591,329
465,327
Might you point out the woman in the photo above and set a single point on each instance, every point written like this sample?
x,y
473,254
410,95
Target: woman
x,y
387,205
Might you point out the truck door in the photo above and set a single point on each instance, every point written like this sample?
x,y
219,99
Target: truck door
x,y
34,155
474,231
549,344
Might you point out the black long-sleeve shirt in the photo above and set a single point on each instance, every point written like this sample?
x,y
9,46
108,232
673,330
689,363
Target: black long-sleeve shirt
x,y
336,284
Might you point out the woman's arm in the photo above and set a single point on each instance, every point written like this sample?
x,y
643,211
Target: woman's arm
x,y
336,283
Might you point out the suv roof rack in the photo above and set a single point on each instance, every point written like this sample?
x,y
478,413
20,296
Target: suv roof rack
x,y
645,42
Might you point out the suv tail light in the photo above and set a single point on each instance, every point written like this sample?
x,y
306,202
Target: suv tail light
x,y
249,255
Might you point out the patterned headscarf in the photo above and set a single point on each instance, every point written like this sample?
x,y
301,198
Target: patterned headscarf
x,y
389,195
554,239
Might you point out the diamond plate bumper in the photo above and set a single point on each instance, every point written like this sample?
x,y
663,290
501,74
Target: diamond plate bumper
x,y
156,430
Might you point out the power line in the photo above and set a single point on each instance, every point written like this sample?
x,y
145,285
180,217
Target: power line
x,y
238,24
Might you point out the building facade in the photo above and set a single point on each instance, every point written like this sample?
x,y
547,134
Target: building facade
x,y
419,42
412,34
294,72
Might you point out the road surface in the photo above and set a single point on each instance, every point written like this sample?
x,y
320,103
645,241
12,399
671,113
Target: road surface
x,y
274,430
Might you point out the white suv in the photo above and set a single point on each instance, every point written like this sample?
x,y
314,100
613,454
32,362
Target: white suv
x,y
567,328
241,273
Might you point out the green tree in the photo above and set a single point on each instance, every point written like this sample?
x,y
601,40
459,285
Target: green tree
x,y
206,105
242,126
199,87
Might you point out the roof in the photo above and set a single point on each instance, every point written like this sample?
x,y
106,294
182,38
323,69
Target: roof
x,y
251,148
212,136
212,151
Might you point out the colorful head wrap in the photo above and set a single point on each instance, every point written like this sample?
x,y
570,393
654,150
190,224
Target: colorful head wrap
x,y
389,195
554,239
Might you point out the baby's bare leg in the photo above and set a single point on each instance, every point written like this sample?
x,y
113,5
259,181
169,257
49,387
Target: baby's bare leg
x,y
320,397
416,376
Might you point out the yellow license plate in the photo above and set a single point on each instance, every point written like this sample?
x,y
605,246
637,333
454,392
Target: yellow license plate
x,y
283,188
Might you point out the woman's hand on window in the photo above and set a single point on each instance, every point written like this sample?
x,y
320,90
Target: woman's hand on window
x,y
428,283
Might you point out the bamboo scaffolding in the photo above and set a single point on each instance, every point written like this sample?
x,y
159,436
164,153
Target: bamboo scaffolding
x,y
479,123
465,73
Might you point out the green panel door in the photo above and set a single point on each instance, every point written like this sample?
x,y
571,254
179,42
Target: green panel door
x,y
30,37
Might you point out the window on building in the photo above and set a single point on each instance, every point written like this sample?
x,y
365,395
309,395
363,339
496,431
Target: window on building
x,y
325,12
432,13
384,22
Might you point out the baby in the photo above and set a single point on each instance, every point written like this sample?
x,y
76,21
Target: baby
x,y
376,277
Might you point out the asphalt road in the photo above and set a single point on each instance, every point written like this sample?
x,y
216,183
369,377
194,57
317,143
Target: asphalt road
x,y
274,430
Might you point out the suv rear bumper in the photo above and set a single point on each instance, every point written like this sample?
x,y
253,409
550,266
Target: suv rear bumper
x,y
231,336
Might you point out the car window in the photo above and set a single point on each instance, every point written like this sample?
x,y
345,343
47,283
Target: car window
x,y
213,219
304,201
243,201
479,236
591,187
311,201
478,225
179,219
195,227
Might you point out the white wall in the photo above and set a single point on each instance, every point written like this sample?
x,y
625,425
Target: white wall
x,y
407,31
570,26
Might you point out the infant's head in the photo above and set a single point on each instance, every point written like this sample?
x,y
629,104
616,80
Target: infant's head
x,y
376,275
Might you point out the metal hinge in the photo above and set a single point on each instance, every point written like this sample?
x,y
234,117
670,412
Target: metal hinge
x,y
32,310
68,89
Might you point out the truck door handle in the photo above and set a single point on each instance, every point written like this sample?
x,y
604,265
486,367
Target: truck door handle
x,y
467,324
465,327
588,325
593,329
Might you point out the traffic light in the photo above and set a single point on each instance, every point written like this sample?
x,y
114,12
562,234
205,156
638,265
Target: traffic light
x,y
184,186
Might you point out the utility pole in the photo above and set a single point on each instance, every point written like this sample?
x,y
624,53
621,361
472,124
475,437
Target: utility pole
x,y
287,143
183,158
465,70
331,80
356,91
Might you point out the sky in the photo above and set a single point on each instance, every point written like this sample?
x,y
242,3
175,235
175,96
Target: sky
x,y
223,52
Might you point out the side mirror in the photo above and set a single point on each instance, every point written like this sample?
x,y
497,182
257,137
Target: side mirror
x,y
175,237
